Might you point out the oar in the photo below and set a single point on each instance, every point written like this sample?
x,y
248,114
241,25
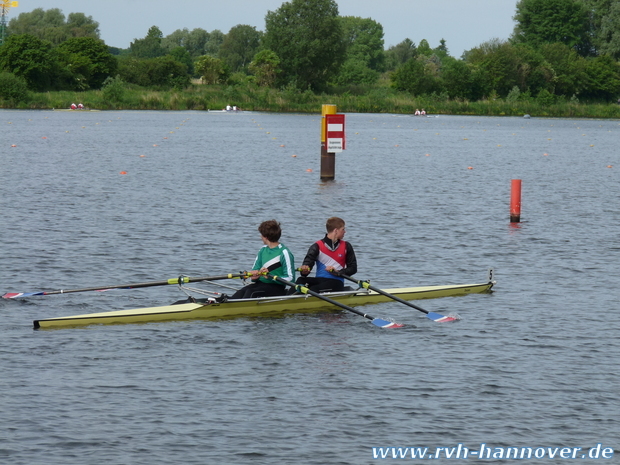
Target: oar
x,y
179,280
304,290
432,315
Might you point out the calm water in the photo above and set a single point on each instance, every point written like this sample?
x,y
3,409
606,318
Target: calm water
x,y
535,364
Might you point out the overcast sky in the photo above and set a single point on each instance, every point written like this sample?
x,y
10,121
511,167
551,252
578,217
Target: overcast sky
x,y
464,24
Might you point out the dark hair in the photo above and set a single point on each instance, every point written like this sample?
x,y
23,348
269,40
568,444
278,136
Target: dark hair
x,y
270,230
334,223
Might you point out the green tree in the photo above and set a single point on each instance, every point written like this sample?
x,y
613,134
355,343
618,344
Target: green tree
x,y
89,58
568,67
159,72
400,54
149,46
210,69
239,47
424,48
442,50
194,41
503,65
80,25
51,25
416,77
216,39
181,55
307,36
166,72
31,58
356,71
265,67
459,80
363,38
608,34
551,21
603,78
13,89
602,12
113,89
365,56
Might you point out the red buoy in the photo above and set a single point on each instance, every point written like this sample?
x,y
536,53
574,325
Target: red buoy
x,y
515,201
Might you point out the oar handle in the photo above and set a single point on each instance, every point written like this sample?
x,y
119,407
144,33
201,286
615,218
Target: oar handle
x,y
436,317
304,290
366,285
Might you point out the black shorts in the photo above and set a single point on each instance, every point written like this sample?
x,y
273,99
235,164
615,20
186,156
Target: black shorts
x,y
259,289
321,284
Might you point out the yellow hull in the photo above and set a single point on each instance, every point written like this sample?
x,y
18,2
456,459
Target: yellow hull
x,y
251,307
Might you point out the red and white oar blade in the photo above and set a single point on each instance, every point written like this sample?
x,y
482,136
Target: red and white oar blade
x,y
386,324
15,295
436,317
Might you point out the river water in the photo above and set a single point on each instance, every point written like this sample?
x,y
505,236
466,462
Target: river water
x,y
426,200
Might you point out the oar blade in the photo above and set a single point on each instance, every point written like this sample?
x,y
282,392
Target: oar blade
x,y
437,318
386,324
15,295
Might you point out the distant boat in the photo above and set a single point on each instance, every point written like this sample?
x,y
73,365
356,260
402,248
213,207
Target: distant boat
x,y
225,111
76,110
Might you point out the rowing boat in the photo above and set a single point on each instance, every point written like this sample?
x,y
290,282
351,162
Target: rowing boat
x,y
76,110
210,308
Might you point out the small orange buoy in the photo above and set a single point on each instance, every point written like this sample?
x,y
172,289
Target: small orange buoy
x,y
13,145
142,156
123,172
428,154
43,137
545,154
609,166
470,167
281,145
154,145
308,170
294,156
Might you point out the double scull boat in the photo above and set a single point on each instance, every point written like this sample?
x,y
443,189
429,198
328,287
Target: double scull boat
x,y
212,308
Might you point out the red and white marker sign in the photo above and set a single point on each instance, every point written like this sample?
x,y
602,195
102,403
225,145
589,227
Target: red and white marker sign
x,y
334,133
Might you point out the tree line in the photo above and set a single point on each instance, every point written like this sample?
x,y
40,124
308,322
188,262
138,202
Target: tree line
x,y
559,50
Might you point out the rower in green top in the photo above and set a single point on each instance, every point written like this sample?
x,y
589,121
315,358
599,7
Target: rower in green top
x,y
274,258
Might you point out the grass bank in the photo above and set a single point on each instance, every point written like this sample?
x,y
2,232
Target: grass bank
x,y
353,100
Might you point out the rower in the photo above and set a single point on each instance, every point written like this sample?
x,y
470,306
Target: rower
x,y
333,257
274,258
